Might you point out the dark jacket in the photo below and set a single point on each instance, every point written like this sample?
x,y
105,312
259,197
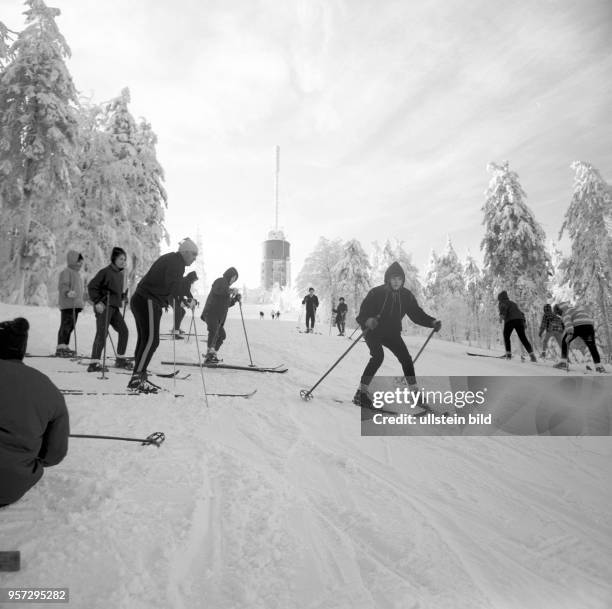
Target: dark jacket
x,y
70,280
340,311
34,428
311,302
508,309
108,280
220,298
550,322
390,306
164,280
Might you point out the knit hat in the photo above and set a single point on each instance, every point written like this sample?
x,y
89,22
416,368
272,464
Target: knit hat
x,y
14,338
117,251
187,245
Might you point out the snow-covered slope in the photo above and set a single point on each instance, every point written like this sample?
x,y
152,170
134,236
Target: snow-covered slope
x,y
272,502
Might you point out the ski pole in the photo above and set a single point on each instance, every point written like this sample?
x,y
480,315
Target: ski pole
x,y
307,394
76,352
423,347
195,334
245,335
174,347
103,377
156,439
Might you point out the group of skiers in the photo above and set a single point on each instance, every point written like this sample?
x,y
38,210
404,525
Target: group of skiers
x,y
34,423
562,322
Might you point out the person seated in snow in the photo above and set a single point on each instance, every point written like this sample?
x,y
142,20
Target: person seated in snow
x,y
552,327
340,311
221,297
71,299
180,305
514,319
34,423
578,323
158,289
380,317
106,293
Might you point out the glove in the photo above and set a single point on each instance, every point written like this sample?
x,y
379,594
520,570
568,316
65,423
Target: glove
x,y
237,298
99,307
124,296
191,303
71,294
437,324
371,323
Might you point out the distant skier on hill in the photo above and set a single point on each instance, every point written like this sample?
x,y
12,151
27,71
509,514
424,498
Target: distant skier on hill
x,y
221,297
578,323
157,290
552,327
311,302
34,422
340,311
71,301
514,319
380,317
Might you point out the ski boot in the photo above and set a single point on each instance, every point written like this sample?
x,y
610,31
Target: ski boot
x,y
139,383
125,364
508,355
64,351
600,368
562,365
211,357
533,358
96,367
362,398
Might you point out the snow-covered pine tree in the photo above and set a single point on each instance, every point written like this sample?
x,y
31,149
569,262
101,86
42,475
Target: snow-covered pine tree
x,y
515,254
353,276
589,268
319,269
473,294
446,290
38,134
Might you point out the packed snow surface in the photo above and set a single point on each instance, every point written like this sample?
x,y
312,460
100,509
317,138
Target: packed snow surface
x,y
277,503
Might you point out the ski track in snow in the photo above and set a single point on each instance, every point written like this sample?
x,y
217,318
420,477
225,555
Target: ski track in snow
x,y
273,502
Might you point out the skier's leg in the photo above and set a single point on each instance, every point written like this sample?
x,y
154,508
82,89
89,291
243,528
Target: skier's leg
x,y
98,344
508,327
587,334
117,322
398,347
520,330
221,336
362,396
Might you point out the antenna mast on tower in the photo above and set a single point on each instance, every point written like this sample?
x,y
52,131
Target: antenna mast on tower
x,y
276,190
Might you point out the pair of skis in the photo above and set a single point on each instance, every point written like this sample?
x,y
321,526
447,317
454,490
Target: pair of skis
x,y
248,395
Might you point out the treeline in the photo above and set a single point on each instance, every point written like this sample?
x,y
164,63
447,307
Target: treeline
x,y
73,174
516,257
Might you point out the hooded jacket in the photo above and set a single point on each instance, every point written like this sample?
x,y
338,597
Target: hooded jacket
x,y
389,306
163,282
508,309
34,428
70,279
220,298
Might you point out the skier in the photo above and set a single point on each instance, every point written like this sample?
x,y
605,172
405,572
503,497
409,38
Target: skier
x,y
552,327
70,301
578,323
261,314
34,422
277,315
162,283
340,311
380,317
311,302
514,319
221,297
106,289
179,305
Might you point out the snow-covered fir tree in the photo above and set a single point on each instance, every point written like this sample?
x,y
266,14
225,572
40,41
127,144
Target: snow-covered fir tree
x,y
38,146
446,291
319,270
353,277
473,295
515,254
589,268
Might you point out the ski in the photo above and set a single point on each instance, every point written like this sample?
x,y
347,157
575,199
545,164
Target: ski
x,y
485,355
234,395
83,392
279,369
121,371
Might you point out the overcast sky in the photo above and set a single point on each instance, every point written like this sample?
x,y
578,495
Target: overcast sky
x,y
386,113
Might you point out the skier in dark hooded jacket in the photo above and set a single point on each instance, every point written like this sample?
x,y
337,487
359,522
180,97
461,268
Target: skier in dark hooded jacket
x,y
221,297
514,319
380,317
